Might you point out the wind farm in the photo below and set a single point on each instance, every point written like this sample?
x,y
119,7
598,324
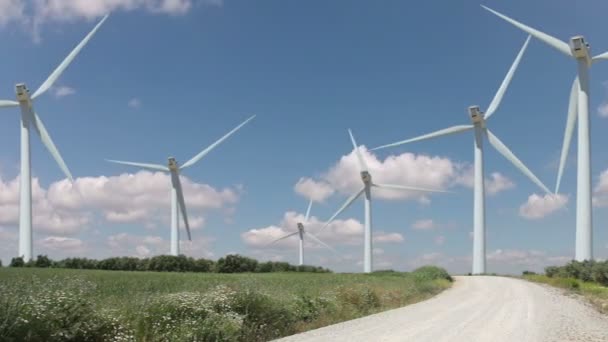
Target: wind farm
x,y
324,194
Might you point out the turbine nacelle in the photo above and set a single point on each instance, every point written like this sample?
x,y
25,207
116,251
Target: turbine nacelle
x,y
580,49
366,177
172,164
23,94
476,114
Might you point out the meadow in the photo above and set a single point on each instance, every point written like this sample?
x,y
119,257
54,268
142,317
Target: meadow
x,y
48,304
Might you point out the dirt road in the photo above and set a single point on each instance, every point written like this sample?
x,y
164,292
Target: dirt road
x,y
477,309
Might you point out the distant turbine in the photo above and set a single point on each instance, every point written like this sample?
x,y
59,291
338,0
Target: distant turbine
x,y
366,178
479,125
177,195
29,117
579,102
301,232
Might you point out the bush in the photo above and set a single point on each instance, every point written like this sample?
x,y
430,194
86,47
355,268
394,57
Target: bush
x,y
17,262
431,273
528,273
43,261
55,311
586,271
265,318
234,263
362,299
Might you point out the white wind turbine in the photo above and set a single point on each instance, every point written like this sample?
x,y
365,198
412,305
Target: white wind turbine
x,y
29,118
366,189
301,232
579,103
479,126
177,195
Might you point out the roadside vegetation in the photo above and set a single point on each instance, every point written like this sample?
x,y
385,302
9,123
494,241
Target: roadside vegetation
x,y
52,304
588,279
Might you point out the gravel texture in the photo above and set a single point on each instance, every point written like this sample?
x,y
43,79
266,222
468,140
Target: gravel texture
x,y
477,308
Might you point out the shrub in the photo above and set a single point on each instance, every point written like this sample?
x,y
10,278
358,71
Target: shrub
x,y
431,273
362,299
551,271
528,273
56,311
599,273
265,318
17,262
307,308
234,263
43,261
191,316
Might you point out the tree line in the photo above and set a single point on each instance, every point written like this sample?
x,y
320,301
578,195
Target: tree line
x,y
232,263
587,270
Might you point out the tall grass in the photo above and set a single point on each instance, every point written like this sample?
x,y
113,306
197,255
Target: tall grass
x,y
88,305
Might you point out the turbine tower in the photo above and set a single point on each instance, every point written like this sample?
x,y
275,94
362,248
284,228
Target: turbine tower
x,y
30,118
579,102
366,189
177,194
480,131
301,232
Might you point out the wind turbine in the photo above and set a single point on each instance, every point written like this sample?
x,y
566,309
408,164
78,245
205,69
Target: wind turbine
x,y
300,233
29,118
177,194
579,102
366,189
479,126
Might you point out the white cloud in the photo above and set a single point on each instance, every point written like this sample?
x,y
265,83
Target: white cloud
x,y
318,191
69,208
540,206
11,10
600,192
495,184
134,103
62,91
602,110
61,243
404,169
339,232
440,240
426,224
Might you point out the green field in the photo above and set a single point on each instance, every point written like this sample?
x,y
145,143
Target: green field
x,y
78,305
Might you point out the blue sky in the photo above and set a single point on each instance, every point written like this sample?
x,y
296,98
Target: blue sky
x,y
166,78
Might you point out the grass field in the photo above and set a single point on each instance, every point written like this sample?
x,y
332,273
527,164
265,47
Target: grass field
x,y
81,305
593,292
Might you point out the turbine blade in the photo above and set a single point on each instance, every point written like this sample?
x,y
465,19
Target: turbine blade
x,y
66,62
407,188
601,56
8,103
48,143
504,150
180,200
212,146
346,204
155,167
505,83
362,163
551,41
308,211
570,122
439,133
320,242
282,238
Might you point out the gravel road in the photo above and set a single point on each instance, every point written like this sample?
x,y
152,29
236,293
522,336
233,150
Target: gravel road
x,y
477,309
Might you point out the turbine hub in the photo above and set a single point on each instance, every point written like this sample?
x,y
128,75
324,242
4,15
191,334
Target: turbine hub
x,y
172,164
23,94
300,226
366,177
580,48
476,115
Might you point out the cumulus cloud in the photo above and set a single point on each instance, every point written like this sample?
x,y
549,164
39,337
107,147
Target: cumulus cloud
x,y
494,184
61,243
602,110
600,191
146,245
538,206
426,224
134,103
404,169
339,232
69,208
31,14
317,191
62,91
